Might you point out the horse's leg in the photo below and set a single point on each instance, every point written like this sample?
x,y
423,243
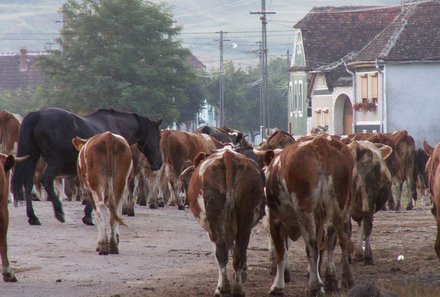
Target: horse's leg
x,y
47,180
28,183
88,209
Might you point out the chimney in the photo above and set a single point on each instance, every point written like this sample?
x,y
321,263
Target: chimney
x,y
23,60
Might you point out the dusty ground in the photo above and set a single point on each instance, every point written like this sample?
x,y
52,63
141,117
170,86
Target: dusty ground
x,y
166,253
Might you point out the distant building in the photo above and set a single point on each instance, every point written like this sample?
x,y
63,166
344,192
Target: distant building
x,y
18,70
367,69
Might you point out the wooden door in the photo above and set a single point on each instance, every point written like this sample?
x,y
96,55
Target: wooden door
x,y
348,117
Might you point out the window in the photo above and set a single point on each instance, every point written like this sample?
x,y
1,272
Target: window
x,y
326,117
374,87
295,97
318,117
364,87
291,97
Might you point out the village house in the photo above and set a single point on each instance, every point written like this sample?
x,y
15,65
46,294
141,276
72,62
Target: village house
x,y
367,69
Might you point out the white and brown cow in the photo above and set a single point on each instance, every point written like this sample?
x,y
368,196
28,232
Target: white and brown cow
x,y
104,168
225,195
372,188
309,188
9,130
179,149
6,162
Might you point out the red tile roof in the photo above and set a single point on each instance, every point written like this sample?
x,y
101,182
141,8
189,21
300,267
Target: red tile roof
x,y
14,76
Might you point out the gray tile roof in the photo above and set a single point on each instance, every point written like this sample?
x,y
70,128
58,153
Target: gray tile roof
x,y
413,36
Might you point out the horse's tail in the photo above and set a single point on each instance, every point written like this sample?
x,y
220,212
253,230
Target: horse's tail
x,y
24,171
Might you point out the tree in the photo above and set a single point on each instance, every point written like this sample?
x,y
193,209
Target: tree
x,y
119,54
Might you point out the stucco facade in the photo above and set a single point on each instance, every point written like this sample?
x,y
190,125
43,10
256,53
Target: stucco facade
x,y
412,97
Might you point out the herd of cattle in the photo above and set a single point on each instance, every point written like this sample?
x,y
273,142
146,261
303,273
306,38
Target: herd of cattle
x,y
311,187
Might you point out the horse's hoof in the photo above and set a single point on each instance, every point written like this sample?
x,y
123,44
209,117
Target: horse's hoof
x,y
9,278
60,217
88,221
34,221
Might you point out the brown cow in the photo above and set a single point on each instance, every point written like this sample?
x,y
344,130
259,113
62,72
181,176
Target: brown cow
x,y
433,172
179,149
405,147
104,167
7,161
309,187
393,162
225,195
372,187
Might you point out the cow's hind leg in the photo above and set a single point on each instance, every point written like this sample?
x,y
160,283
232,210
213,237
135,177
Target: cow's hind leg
x,y
359,250
279,239
331,282
8,274
221,255
367,226
101,221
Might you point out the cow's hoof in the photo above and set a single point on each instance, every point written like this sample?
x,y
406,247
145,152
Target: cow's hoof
x,y
287,276
358,257
88,221
237,290
35,198
331,284
114,248
60,217
368,261
131,213
181,207
34,221
153,206
9,277
410,206
276,291
161,204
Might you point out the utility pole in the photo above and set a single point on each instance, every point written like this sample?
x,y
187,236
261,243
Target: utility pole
x,y
221,121
264,105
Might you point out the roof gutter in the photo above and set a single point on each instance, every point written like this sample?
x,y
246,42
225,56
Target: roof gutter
x,y
384,126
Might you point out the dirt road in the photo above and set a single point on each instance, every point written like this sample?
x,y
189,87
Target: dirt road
x,y
165,252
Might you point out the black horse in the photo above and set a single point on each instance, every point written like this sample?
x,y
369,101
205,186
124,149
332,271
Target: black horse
x,y
48,134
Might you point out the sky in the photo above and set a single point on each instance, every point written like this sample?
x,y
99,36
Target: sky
x,y
201,20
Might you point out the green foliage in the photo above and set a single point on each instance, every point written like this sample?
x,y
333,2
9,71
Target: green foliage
x,y
22,101
119,54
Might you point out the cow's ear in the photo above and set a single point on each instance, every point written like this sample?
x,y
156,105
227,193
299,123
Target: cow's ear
x,y
199,158
159,122
268,156
427,148
239,137
9,162
353,147
78,143
385,150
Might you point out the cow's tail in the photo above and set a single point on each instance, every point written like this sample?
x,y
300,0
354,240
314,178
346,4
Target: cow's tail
x,y
231,218
24,171
111,173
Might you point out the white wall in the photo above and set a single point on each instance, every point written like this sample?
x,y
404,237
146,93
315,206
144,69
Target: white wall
x,y
413,100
